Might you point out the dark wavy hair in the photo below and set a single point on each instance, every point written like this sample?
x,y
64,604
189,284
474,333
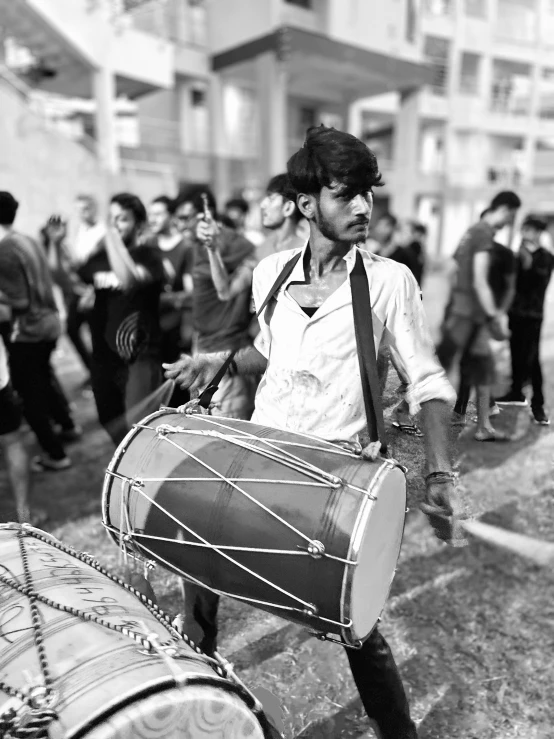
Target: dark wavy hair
x,y
329,156
281,185
128,201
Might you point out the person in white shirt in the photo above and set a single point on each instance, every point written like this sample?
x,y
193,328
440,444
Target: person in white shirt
x,y
91,230
307,352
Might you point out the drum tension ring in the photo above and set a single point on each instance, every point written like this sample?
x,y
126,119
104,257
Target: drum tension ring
x,y
325,637
310,610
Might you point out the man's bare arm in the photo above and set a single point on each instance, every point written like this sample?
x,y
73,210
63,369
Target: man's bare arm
x,y
481,265
435,422
195,373
127,272
226,285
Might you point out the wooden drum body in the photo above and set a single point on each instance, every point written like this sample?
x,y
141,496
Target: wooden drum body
x,y
84,655
289,523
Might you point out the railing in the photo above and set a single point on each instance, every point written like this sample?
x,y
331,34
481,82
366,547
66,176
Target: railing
x,y
175,20
159,133
506,99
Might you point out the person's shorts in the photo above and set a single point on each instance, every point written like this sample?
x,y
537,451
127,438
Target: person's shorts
x,y
10,411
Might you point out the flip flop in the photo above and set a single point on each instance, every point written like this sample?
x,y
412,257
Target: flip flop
x,y
494,436
408,428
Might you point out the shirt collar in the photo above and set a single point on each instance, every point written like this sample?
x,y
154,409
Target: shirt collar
x,y
297,274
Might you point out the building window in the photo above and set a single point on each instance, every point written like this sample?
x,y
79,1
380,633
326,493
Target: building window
x,y
469,73
511,87
476,8
437,7
431,149
517,20
436,51
546,93
306,4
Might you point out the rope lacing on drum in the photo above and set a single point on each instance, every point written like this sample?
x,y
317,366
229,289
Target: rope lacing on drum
x,y
40,699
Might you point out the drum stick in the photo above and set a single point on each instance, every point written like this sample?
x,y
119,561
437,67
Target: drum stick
x,y
536,550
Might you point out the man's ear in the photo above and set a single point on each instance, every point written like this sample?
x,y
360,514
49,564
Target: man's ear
x,y
288,208
306,205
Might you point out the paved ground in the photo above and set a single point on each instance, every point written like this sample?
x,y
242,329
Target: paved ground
x,y
470,628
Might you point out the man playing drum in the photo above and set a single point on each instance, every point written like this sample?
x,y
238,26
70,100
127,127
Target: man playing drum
x,y
307,353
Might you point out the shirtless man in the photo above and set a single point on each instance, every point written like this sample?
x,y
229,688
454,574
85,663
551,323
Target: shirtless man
x,y
307,336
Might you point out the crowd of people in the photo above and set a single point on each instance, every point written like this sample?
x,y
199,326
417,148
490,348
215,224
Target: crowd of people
x,y
140,290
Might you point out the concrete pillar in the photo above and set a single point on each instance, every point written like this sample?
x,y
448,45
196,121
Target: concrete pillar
x,y
406,156
271,86
218,140
106,140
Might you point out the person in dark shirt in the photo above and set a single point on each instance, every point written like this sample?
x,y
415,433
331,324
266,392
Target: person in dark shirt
x,y
502,273
472,316
27,286
534,270
128,278
221,302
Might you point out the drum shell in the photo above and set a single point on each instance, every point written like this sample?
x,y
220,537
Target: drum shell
x,y
165,507
99,674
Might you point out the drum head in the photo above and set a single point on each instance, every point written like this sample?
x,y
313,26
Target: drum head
x,y
376,547
190,712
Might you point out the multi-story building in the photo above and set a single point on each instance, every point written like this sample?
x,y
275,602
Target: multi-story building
x,y
486,121
224,89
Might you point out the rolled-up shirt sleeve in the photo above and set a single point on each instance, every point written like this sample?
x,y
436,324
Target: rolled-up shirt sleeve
x,y
262,342
411,346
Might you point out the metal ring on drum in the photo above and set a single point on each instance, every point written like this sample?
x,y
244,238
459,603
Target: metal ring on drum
x,y
101,661
286,522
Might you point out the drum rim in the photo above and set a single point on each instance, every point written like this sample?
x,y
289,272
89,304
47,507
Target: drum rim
x,y
348,634
111,469
155,687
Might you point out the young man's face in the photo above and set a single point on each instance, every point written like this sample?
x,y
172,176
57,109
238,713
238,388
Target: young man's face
x,y
273,210
237,216
505,216
530,234
384,230
87,211
342,217
124,222
185,217
159,218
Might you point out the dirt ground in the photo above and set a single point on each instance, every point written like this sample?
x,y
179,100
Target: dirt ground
x,y
471,628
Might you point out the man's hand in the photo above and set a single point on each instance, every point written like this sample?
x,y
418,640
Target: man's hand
x,y
207,231
193,373
498,327
444,508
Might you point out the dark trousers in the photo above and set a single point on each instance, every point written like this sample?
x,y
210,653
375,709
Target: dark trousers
x,y
120,389
525,346
75,321
43,398
170,352
373,667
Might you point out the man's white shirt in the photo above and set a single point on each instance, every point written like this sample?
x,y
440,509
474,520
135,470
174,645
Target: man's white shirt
x,y
86,241
312,383
4,370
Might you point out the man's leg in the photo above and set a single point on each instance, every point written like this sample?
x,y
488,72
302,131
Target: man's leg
x,y
75,320
537,402
144,378
109,378
58,404
15,453
520,346
380,687
200,616
30,372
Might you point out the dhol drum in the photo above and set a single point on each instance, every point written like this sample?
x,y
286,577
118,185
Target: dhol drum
x,y
84,655
284,521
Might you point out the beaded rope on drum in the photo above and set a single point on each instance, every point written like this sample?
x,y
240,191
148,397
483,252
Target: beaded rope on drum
x,y
40,700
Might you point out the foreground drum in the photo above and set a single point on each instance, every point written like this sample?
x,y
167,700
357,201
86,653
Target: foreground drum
x,y
83,655
286,522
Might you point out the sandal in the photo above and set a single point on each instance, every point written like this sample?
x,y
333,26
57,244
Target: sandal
x,y
493,435
408,428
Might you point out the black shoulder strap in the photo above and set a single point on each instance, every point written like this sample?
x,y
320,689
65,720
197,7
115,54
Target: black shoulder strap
x,y
206,397
363,326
